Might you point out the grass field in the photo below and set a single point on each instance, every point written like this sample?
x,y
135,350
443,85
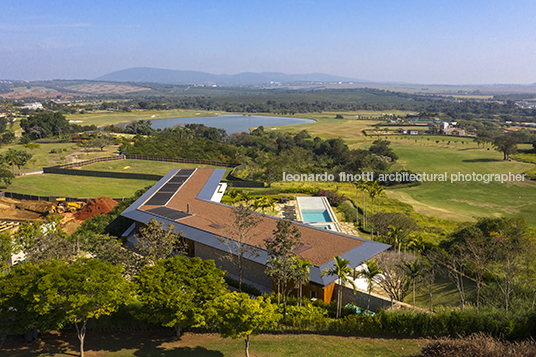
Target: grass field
x,y
76,186
106,118
464,200
142,166
43,157
162,344
434,154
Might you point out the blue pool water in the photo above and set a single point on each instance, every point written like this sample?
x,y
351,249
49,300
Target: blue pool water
x,y
313,216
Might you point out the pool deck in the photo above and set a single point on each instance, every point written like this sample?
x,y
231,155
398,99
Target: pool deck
x,y
318,204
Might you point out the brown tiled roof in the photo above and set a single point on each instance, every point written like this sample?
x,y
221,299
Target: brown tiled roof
x,y
210,216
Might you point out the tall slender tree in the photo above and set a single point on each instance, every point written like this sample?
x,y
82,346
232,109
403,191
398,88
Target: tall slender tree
x,y
341,269
241,233
371,274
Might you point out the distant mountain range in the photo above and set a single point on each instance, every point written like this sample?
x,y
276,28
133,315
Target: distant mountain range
x,y
169,76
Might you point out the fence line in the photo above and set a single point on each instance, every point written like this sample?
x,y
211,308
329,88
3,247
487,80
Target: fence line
x,y
21,196
109,174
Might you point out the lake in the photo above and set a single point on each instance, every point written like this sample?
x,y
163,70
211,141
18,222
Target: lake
x,y
231,123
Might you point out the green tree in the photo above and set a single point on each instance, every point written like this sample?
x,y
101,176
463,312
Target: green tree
x,y
17,158
371,273
415,268
6,251
16,302
301,276
281,265
176,292
241,233
374,190
342,270
6,175
32,146
79,291
396,237
157,242
240,317
507,144
42,241
44,125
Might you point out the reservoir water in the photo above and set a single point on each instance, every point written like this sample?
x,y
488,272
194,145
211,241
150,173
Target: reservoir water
x,y
231,123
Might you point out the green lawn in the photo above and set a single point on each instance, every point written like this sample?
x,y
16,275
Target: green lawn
x,y
43,157
141,166
464,200
76,186
102,118
162,344
444,293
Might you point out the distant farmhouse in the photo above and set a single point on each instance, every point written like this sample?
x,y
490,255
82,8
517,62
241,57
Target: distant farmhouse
x,y
32,106
189,200
450,129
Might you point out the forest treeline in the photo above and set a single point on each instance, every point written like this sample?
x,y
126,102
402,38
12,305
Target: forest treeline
x,y
266,154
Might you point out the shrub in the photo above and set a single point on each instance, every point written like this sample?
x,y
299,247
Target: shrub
x,y
478,345
307,317
333,197
246,288
348,210
306,190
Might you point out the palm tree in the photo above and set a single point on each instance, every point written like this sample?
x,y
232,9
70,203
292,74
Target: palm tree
x,y
246,197
370,274
267,203
12,158
374,191
417,243
396,236
359,185
257,203
365,188
379,192
414,269
301,276
233,194
342,270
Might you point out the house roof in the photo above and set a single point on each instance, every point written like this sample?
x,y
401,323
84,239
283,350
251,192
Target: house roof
x,y
183,196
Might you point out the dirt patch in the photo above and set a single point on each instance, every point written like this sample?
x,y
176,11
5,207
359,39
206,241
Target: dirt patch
x,y
23,209
95,207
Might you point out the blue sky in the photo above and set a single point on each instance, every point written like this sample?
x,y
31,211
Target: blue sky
x,y
419,41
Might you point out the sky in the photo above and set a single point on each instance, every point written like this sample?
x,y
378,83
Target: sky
x,y
417,41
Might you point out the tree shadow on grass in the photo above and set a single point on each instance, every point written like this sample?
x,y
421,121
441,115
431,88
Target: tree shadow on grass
x,y
482,160
100,343
179,351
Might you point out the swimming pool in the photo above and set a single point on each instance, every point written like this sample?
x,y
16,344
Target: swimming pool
x,y
317,212
313,216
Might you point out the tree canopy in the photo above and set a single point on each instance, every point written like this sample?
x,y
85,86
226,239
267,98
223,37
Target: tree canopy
x,y
176,292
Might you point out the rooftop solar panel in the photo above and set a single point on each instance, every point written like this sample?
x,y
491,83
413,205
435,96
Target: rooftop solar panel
x,y
159,198
170,187
168,213
164,194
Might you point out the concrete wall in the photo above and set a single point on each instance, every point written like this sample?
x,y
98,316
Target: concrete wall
x,y
253,272
360,298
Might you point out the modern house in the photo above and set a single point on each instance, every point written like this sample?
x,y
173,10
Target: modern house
x,y
189,199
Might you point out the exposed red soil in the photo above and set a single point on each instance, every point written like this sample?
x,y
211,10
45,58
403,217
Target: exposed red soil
x,y
94,207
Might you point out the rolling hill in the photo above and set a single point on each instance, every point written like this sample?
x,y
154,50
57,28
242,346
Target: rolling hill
x,y
168,76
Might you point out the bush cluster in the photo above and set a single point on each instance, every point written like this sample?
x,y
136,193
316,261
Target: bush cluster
x,y
478,345
306,190
333,197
